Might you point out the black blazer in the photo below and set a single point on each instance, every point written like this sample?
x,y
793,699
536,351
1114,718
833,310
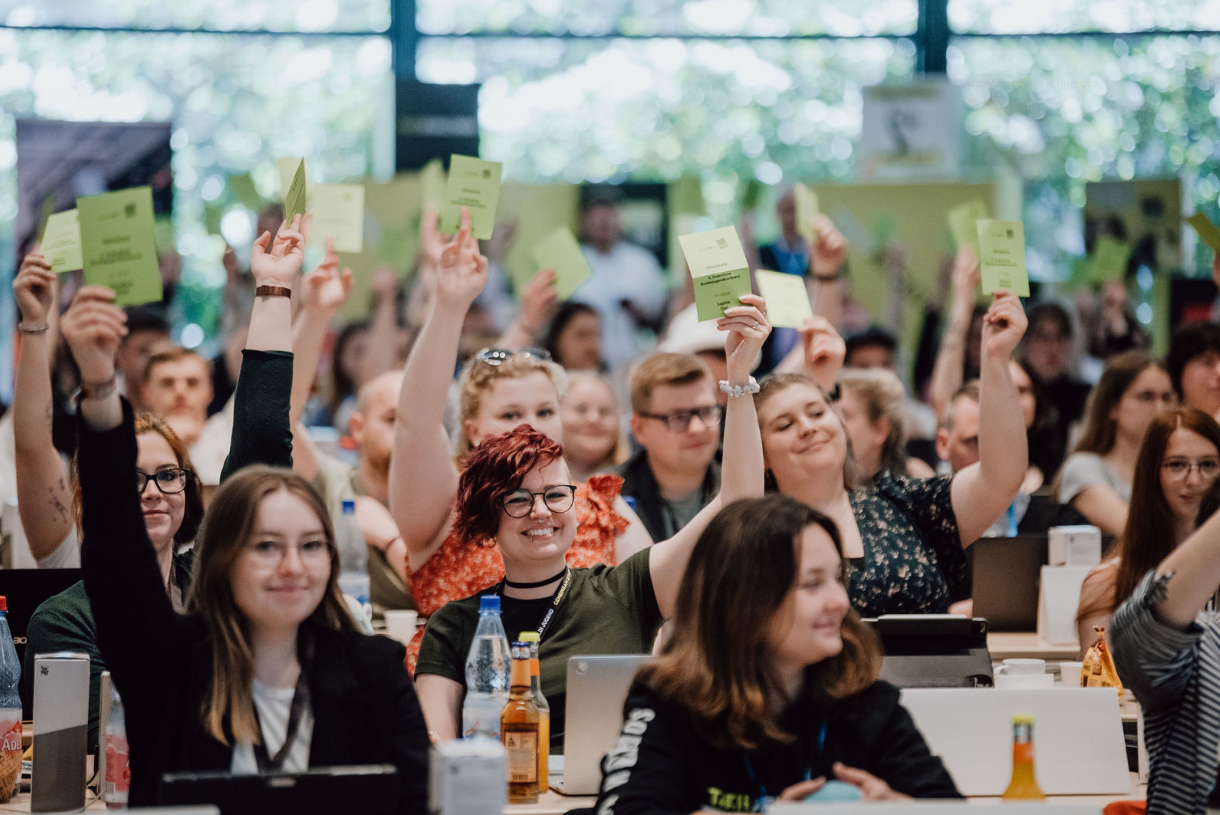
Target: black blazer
x,y
364,705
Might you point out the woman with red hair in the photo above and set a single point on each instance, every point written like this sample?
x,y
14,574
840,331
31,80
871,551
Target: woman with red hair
x,y
516,494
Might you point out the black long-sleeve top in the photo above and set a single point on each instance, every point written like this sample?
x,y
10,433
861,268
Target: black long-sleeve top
x,y
363,702
662,766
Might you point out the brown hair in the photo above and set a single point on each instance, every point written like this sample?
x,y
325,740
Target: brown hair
x,y
168,352
777,383
716,663
228,707
664,369
478,377
622,446
495,468
1148,537
882,394
970,391
1100,431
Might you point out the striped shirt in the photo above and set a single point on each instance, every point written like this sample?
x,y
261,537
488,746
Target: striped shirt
x,y
1175,675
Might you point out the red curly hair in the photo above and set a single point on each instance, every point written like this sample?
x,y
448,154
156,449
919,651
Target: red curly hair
x,y
495,468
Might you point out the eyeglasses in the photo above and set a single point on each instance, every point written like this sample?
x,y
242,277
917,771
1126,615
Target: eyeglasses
x,y
169,482
499,356
679,420
1152,397
272,553
557,497
1179,468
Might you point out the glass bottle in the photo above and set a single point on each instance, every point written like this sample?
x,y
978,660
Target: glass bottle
x,y
544,711
1024,785
519,731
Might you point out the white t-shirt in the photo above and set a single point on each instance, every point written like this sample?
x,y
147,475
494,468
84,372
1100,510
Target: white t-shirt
x,y
626,272
273,706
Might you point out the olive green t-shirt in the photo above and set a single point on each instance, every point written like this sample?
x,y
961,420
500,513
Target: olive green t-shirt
x,y
607,610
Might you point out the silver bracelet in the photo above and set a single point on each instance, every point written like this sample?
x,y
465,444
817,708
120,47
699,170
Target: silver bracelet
x,y
33,329
739,390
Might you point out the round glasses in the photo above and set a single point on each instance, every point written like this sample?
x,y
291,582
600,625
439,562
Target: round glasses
x,y
1179,469
169,482
557,497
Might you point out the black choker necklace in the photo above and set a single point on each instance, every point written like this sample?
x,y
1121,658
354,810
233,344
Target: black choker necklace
x,y
540,583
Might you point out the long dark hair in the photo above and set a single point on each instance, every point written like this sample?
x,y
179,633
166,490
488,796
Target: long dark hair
x,y
342,385
1100,431
716,662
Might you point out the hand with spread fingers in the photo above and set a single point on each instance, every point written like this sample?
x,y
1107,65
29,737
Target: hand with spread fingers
x,y
462,273
279,265
748,330
326,288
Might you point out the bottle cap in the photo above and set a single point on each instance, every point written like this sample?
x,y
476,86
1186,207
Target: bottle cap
x,y
529,636
3,603
489,602
1022,718
520,645
349,506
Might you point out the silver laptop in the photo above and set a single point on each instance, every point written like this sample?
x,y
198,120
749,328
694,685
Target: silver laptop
x,y
597,689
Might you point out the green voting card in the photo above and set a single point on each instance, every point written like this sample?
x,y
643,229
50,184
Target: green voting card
x,y
1109,261
963,221
338,211
432,184
118,247
61,242
242,186
561,252
787,298
718,269
1206,229
806,211
287,169
473,183
1002,256
294,199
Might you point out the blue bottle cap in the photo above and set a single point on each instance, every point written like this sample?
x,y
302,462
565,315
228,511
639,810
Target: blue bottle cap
x,y
349,506
489,602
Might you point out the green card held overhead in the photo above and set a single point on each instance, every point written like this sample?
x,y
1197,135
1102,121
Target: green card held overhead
x,y
473,183
242,186
787,298
806,211
1002,256
1206,229
432,184
560,251
719,270
286,167
118,247
338,211
61,242
294,199
1109,261
963,222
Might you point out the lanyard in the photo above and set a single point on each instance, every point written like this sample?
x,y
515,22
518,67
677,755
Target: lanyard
x,y
556,599
762,800
300,702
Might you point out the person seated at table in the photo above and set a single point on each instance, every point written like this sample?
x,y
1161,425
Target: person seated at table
x,y
1166,647
1096,477
516,495
264,671
1178,462
767,683
871,404
904,539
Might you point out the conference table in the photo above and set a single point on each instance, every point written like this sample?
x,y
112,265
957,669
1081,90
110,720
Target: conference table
x,y
1026,645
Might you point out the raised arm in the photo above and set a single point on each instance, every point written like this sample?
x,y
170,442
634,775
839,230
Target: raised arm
x,y
742,474
537,303
423,478
1193,571
984,490
43,498
826,258
819,355
950,358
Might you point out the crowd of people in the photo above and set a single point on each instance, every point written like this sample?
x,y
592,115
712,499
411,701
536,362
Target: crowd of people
x,y
625,479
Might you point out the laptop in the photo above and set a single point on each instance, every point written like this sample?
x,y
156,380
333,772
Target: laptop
x,y
25,590
317,791
1006,575
597,689
933,650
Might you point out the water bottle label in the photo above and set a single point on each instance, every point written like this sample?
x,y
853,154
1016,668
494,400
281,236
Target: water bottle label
x,y
118,769
10,757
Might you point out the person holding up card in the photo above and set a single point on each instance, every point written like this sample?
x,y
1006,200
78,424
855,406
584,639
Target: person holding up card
x,y
905,539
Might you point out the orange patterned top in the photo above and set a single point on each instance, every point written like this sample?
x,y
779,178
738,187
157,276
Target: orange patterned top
x,y
460,569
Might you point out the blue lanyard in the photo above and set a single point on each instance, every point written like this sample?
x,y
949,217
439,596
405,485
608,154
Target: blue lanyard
x,y
1012,519
762,799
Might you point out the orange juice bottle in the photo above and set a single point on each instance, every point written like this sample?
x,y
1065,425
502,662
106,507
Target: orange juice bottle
x,y
544,711
1024,785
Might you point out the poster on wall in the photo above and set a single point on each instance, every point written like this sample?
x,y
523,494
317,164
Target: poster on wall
x,y
911,131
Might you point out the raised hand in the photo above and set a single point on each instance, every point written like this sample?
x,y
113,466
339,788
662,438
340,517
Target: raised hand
x,y
824,350
431,241
538,300
34,287
748,329
326,288
279,265
384,285
93,327
1004,325
829,248
966,276
463,270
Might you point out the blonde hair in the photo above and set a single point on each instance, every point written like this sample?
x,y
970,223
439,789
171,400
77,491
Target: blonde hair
x,y
664,369
622,447
478,377
773,384
883,395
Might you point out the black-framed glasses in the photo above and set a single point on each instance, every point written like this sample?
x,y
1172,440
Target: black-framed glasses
x,y
169,482
679,420
499,356
557,497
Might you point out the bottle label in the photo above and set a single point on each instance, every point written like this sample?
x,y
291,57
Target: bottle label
x,y
118,768
10,757
522,752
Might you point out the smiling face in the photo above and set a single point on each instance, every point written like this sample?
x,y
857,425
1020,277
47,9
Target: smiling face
x,y
1185,494
538,541
162,513
690,450
590,421
803,439
806,628
510,401
278,592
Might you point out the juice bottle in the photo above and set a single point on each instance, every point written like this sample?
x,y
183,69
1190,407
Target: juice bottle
x,y
519,731
1024,785
544,711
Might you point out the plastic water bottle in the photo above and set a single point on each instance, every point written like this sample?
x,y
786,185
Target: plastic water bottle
x,y
10,709
353,556
486,673
118,766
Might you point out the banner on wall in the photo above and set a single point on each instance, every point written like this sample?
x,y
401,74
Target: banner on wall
x,y
910,132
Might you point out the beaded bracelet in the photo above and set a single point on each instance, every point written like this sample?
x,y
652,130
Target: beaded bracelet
x,y
33,329
739,390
